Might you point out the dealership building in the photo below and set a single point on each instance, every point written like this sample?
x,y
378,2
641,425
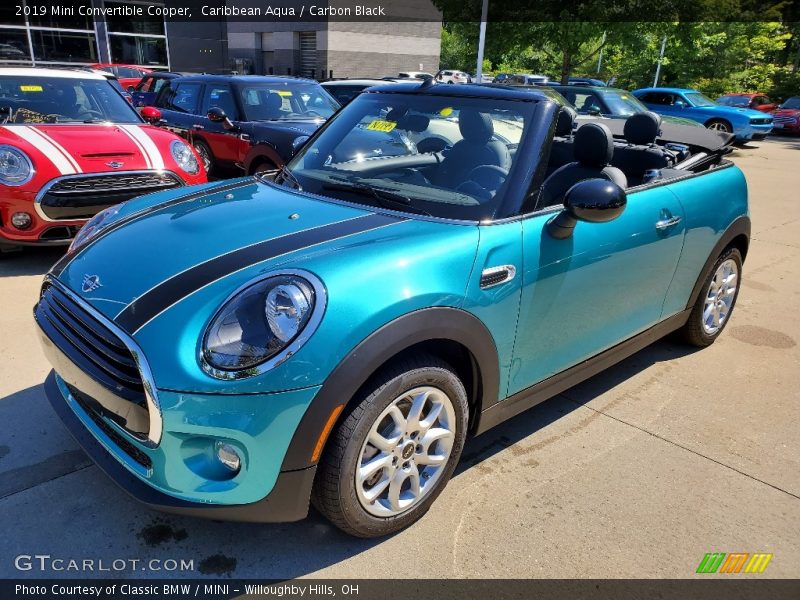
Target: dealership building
x,y
327,46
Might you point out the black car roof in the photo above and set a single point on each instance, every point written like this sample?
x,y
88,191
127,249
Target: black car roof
x,y
484,90
247,79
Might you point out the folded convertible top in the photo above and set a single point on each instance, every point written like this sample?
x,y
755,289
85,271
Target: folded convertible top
x,y
699,137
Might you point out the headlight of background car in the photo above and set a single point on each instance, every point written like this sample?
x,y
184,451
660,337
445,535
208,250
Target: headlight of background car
x,y
184,156
15,166
259,323
94,226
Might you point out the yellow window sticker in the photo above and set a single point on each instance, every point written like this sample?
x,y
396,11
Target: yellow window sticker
x,y
385,126
446,112
31,88
285,93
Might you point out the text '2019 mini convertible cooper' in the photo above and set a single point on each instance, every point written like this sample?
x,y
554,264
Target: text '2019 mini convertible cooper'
x,y
336,333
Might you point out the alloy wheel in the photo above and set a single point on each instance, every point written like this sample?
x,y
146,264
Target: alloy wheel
x,y
405,452
720,296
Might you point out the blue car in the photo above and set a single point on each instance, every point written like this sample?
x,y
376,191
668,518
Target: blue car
x,y
334,334
744,123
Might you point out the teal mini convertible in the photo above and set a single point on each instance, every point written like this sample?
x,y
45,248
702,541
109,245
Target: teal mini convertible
x,y
434,260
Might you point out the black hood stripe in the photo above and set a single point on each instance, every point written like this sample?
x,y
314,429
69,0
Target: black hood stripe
x,y
159,298
59,267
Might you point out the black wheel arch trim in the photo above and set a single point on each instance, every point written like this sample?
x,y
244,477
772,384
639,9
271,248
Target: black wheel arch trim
x,y
262,150
437,323
740,226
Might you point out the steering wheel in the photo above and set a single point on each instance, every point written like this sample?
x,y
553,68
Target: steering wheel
x,y
489,177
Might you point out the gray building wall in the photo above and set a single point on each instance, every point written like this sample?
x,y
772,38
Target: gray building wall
x,y
200,46
368,48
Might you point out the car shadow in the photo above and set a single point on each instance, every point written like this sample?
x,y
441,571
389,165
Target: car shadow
x,y
88,511
29,261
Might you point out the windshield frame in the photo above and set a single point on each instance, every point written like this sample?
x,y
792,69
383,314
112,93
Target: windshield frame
x,y
135,117
524,179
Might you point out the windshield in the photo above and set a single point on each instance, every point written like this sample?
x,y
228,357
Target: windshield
x,y
740,101
621,104
286,102
793,102
441,156
62,100
698,99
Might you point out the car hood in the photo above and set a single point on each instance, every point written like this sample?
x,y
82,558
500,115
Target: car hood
x,y
731,110
786,112
90,148
161,249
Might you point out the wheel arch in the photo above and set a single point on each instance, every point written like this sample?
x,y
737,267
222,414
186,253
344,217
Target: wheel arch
x,y
722,119
456,336
259,153
737,235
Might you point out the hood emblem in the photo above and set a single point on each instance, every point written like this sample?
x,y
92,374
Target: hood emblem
x,y
90,283
114,164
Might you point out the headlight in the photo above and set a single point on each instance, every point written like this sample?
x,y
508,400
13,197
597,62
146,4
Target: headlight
x,y
94,226
184,156
262,324
15,166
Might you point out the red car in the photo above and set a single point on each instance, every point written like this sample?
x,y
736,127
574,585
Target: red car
x,y
70,146
755,101
128,76
787,116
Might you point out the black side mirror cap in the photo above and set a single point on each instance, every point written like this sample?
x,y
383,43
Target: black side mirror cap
x,y
216,114
590,200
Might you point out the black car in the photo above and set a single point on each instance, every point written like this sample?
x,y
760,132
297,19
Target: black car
x,y
146,91
344,90
247,123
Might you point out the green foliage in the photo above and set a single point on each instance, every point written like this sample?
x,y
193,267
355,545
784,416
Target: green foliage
x,y
713,57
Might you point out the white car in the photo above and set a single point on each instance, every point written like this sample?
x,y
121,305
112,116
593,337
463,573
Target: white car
x,y
414,75
452,77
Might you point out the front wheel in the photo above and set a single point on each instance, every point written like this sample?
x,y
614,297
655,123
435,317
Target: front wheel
x,y
719,125
714,305
395,451
204,152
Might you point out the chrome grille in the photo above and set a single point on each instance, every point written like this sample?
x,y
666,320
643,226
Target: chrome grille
x,y
82,196
786,119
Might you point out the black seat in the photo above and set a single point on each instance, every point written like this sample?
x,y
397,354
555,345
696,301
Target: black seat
x,y
593,148
641,153
561,149
475,149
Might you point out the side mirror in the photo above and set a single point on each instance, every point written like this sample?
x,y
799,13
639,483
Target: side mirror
x,y
590,200
216,115
679,104
151,114
131,89
594,111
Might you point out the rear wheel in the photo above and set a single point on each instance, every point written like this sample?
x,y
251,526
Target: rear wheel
x,y
395,451
714,305
719,125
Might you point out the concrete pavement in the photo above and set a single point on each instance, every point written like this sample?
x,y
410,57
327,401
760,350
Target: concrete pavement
x,y
636,473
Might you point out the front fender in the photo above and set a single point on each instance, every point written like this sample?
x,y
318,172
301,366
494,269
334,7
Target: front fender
x,y
440,323
260,151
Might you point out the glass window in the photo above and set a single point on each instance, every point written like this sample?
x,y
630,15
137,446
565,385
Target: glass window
x,y
698,99
220,96
14,45
60,22
8,14
128,72
150,25
64,46
182,97
275,101
621,104
740,101
62,100
793,102
138,50
384,150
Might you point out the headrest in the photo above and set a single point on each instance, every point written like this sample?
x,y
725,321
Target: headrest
x,y
593,145
642,128
414,123
566,118
475,126
273,101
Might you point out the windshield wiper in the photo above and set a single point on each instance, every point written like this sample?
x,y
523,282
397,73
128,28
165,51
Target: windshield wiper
x,y
285,174
385,198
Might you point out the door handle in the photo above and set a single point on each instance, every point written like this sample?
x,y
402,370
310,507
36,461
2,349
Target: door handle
x,y
244,137
197,126
667,223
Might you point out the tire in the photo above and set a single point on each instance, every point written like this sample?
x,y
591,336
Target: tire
x,y
719,125
341,496
701,330
206,156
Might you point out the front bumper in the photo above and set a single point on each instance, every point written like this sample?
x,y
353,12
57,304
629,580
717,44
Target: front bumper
x,y
287,501
753,132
